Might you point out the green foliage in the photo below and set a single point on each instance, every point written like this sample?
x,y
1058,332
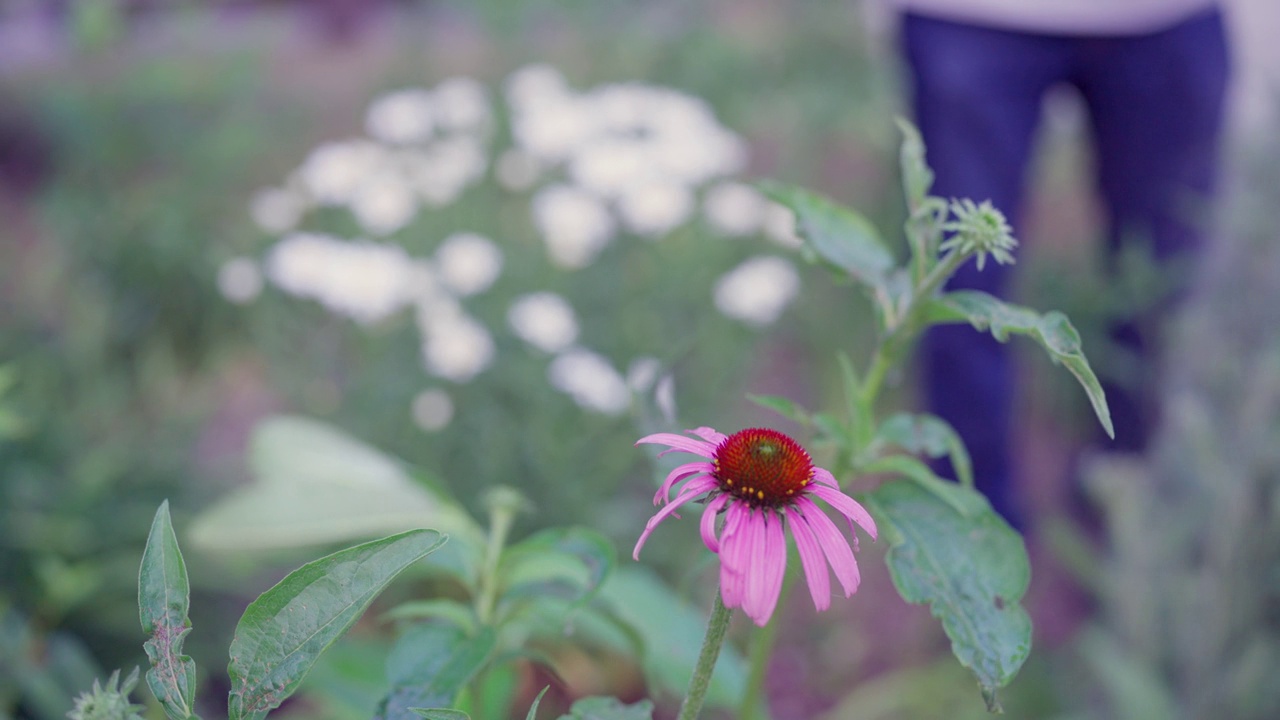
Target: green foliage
x,y
163,603
430,665
972,571
597,708
109,701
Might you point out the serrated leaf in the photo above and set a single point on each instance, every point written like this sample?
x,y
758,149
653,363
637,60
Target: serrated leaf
x,y
1053,331
838,235
931,436
568,563
673,630
786,407
163,603
430,664
315,484
972,571
282,632
607,708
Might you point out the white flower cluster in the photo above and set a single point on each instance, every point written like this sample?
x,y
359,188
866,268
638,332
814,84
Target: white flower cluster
x,y
620,157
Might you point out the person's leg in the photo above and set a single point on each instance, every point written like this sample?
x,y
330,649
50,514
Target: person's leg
x,y
976,94
1156,102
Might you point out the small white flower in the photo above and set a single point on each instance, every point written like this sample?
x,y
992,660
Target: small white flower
x,y
655,208
734,209
384,203
757,291
240,280
544,320
591,381
462,104
517,170
609,166
642,373
458,349
575,224
444,169
535,84
277,210
432,410
362,280
403,116
780,225
333,172
554,128
468,263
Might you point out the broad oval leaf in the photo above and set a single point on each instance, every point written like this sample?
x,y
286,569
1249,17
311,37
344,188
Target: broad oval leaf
x,y
430,664
568,563
963,499
1053,331
972,571
837,234
163,602
931,436
315,484
673,630
282,633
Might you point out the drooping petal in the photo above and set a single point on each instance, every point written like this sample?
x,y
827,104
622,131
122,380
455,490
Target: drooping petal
x,y
734,554
708,523
680,473
693,489
825,477
833,544
815,566
679,443
848,507
709,434
768,565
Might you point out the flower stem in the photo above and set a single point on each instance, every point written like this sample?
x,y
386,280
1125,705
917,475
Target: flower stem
x,y
503,504
711,643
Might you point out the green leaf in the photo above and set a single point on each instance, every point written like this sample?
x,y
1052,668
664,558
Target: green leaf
x,y
1053,331
282,633
786,407
314,484
931,436
568,563
451,611
917,178
837,234
533,709
440,714
972,571
607,708
163,602
965,500
430,664
673,630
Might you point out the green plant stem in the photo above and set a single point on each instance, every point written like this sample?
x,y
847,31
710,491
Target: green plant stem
x,y
711,643
761,651
502,513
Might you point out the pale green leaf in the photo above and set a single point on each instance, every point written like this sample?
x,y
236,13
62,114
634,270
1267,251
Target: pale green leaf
x,y
440,714
837,234
163,602
931,436
282,632
965,500
568,563
971,570
1053,331
429,666
607,708
786,407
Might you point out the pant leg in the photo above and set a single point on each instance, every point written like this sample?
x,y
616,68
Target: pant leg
x,y
977,94
1156,103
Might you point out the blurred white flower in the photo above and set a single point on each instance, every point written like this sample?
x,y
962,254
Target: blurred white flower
x,y
240,280
655,208
535,84
277,210
458,348
403,116
574,223
757,291
334,171
462,104
733,208
362,280
544,320
591,381
780,225
384,203
554,128
697,155
468,263
518,170
432,410
642,373
609,166
444,169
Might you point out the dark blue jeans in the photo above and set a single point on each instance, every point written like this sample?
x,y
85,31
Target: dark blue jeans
x,y
1155,103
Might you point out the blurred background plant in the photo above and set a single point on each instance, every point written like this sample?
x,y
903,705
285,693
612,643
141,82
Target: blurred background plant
x,y
173,206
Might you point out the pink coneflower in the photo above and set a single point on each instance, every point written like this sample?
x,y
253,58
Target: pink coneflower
x,y
761,478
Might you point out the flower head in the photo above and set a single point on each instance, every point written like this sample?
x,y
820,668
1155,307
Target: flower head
x,y
980,229
763,482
